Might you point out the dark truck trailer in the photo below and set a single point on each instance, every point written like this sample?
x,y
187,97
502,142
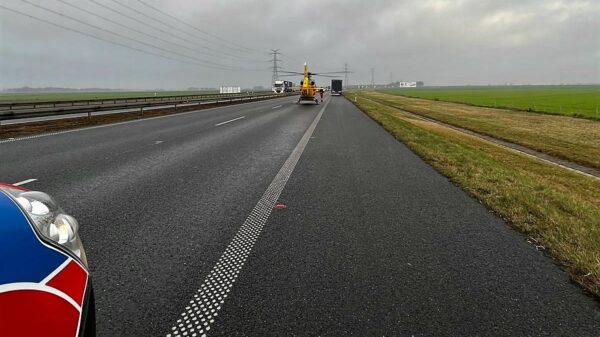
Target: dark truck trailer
x,y
336,87
288,86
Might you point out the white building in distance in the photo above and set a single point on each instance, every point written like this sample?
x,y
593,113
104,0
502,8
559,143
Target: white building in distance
x,y
230,90
407,84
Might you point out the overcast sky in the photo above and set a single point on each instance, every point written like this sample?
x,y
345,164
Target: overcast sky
x,y
436,41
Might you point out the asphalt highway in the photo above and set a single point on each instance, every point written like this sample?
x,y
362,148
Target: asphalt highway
x,y
179,219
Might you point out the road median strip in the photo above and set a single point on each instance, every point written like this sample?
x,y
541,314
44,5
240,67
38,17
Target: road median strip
x,y
40,128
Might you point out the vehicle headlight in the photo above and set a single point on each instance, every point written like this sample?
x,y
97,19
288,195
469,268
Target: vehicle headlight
x,y
50,221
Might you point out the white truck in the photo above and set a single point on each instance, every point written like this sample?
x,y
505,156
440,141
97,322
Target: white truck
x,y
282,86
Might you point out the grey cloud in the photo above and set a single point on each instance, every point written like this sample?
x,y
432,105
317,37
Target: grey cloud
x,y
439,42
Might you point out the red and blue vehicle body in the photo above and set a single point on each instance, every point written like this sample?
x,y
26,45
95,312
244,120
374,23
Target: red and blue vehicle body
x,y
45,290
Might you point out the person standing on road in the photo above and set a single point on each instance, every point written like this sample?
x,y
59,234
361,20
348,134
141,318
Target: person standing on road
x,y
321,93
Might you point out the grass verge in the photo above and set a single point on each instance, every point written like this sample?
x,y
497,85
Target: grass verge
x,y
556,209
573,139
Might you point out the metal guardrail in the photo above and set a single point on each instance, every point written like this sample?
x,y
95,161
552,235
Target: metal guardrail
x,y
27,109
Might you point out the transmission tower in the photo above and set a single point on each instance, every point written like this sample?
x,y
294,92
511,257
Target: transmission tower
x,y
373,77
345,75
275,53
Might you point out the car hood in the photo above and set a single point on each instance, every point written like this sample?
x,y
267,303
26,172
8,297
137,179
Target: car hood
x,y
42,288
23,257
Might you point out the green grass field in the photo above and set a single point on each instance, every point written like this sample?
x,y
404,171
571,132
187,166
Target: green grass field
x,y
574,139
67,96
575,100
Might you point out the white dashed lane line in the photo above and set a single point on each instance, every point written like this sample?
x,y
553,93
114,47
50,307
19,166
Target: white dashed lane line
x,y
204,307
9,140
229,121
24,182
276,107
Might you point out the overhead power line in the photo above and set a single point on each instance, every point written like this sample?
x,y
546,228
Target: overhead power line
x,y
99,38
139,31
198,29
172,27
96,37
207,63
300,62
194,43
171,34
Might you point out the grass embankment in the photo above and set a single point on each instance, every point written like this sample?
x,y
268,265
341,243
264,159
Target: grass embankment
x,y
573,139
71,96
570,100
555,208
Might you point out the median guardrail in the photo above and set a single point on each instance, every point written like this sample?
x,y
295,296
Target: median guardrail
x,y
28,109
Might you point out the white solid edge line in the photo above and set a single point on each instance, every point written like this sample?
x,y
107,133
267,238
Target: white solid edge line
x,y
574,170
24,182
10,140
229,121
204,307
